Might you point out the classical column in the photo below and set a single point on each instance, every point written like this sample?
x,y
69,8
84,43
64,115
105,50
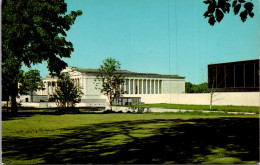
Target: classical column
x,y
129,86
133,86
52,87
125,85
120,88
154,81
142,86
138,87
146,86
154,86
160,86
157,86
151,85
47,88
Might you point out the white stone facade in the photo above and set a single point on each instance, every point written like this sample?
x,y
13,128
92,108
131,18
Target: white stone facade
x,y
136,84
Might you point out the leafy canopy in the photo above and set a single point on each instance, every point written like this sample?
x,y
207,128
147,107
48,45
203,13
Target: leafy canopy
x,y
67,93
217,9
34,31
32,80
110,79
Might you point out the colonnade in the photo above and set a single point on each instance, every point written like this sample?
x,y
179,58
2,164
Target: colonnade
x,y
77,81
142,86
51,85
131,86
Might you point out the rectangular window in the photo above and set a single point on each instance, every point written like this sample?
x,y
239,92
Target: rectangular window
x,y
220,77
249,71
144,87
156,86
140,86
148,87
136,86
257,74
160,87
152,86
230,76
239,75
131,87
211,77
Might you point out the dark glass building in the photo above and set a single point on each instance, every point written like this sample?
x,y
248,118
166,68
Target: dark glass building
x,y
241,76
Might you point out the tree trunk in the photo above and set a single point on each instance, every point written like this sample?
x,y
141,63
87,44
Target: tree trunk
x,y
211,97
7,106
14,93
110,101
13,103
31,93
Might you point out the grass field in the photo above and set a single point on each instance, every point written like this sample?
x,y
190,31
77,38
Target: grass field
x,y
229,108
131,138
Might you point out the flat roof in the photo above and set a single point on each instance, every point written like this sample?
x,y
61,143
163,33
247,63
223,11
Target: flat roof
x,y
237,62
127,73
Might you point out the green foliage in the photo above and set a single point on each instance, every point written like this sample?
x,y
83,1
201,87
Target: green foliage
x,y
10,78
31,82
217,9
193,88
33,31
110,79
9,81
67,93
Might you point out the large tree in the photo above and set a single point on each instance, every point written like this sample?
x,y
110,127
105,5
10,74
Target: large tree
x,y
196,88
33,31
31,82
110,79
67,93
217,9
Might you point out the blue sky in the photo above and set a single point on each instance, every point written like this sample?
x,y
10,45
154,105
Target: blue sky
x,y
143,38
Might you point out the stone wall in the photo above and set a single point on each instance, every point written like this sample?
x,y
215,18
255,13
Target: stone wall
x,y
221,98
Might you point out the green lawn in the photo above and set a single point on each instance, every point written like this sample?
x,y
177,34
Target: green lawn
x,y
227,108
130,138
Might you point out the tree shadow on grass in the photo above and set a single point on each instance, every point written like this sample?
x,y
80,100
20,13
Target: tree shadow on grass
x,y
23,115
143,141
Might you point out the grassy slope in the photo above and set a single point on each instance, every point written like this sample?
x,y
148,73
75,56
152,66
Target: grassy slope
x,y
130,138
229,108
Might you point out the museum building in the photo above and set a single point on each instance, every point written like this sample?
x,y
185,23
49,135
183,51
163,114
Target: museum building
x,y
239,76
136,86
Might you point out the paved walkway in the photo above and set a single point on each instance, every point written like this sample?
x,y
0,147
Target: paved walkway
x,y
204,111
141,110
